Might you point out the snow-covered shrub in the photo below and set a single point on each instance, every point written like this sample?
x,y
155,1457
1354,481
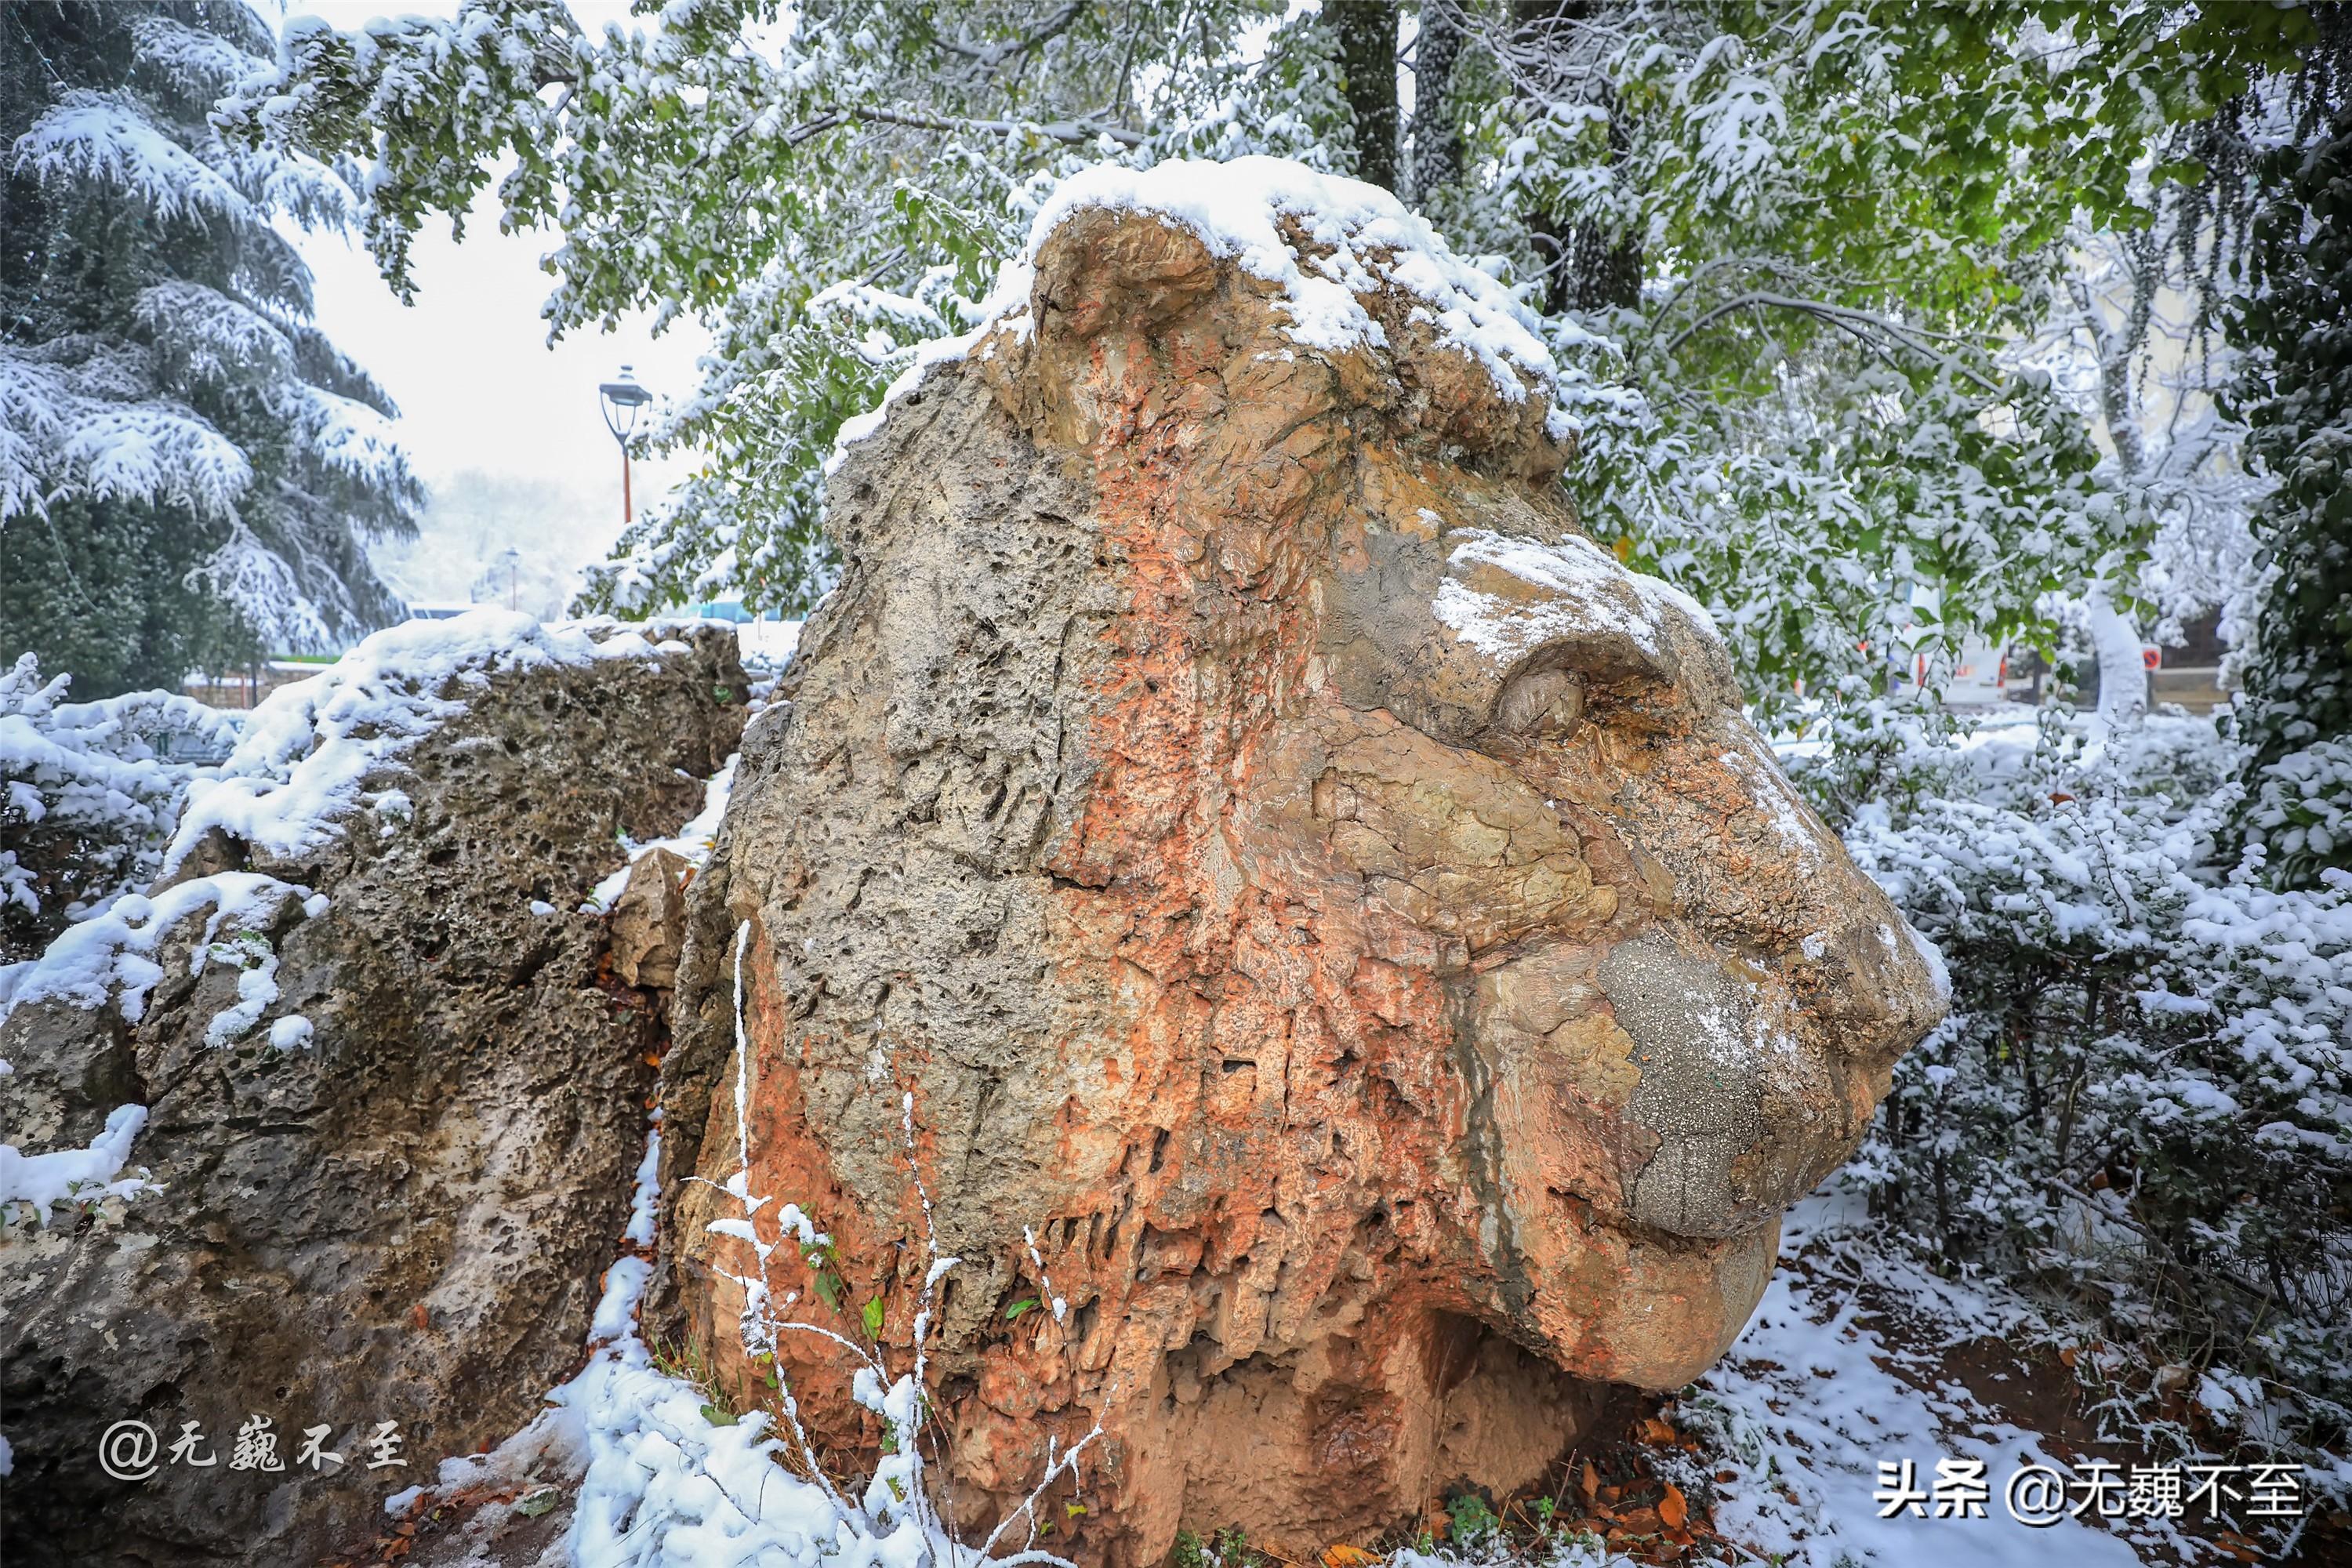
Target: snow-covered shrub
x,y
92,793
2301,810
2143,1095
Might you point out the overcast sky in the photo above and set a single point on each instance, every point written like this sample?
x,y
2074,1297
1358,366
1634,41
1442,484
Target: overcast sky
x,y
479,389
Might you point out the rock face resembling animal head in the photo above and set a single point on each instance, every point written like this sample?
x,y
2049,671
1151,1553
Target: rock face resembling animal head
x,y
1353,963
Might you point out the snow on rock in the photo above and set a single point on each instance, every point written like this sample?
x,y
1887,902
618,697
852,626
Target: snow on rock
x,y
691,842
303,764
1237,208
1367,240
355,989
309,748
1581,591
78,1175
112,954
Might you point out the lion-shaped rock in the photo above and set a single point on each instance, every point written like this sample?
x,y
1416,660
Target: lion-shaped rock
x,y
1311,933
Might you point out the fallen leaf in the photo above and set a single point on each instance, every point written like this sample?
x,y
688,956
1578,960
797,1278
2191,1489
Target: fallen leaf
x,y
1657,1431
1726,1477
1592,1479
538,1503
418,1316
1672,1508
1341,1556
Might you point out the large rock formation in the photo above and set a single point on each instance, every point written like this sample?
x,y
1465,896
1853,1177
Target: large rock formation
x,y
1349,960
393,1095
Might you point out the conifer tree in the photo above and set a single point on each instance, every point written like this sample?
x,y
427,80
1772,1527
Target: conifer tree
x,y
188,468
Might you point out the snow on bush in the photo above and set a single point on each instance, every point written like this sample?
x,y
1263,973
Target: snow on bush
x,y
2301,812
2142,1100
92,793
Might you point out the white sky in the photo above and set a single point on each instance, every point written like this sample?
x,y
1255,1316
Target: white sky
x,y
478,385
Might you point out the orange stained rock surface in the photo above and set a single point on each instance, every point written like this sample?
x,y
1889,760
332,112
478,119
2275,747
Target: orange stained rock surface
x,y
1360,985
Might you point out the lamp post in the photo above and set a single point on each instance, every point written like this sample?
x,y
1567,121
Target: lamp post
x,y
513,559
621,399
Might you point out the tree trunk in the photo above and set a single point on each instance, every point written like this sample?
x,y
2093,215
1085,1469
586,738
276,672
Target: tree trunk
x,y
1586,267
2123,674
1368,34
1436,140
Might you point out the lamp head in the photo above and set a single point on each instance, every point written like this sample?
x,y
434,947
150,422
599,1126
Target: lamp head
x,y
622,398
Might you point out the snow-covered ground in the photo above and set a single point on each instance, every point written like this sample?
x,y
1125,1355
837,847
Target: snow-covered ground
x,y
1844,1367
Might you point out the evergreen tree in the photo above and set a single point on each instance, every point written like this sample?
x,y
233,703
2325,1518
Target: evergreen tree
x,y
188,468
2297,397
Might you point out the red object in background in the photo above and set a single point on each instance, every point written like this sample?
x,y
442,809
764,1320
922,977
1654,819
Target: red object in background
x,y
2151,655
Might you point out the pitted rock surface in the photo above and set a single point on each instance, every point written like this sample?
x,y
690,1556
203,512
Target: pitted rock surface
x,y
405,1218
1315,898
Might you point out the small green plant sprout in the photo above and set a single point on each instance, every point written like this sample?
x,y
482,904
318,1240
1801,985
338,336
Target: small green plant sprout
x,y
1475,1521
1187,1552
1019,1307
872,1313
825,1264
1544,1508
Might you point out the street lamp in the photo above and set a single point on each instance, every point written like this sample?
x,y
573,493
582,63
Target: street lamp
x,y
513,559
620,398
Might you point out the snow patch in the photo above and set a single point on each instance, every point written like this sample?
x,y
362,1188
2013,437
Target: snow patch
x,y
1813,1397
1574,589
113,952
80,1176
